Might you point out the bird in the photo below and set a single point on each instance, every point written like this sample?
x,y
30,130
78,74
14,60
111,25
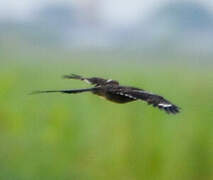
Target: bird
x,y
111,90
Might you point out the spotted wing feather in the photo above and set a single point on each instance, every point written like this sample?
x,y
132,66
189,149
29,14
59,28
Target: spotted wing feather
x,y
156,101
151,99
93,80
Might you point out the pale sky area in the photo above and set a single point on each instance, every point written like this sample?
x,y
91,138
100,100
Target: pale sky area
x,y
113,11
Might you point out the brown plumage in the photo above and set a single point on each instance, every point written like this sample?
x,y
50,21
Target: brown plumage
x,y
112,91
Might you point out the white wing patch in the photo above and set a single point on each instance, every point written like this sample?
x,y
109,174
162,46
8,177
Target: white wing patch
x,y
87,81
127,95
109,80
164,105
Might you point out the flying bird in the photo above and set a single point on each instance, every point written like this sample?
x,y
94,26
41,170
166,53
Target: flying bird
x,y
113,91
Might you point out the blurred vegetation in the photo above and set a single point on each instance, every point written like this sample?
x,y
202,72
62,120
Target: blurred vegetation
x,y
57,136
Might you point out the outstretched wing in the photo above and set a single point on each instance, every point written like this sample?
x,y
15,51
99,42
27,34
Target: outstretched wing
x,y
153,99
94,80
71,91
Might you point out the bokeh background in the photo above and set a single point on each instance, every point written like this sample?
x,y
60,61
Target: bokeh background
x,y
162,46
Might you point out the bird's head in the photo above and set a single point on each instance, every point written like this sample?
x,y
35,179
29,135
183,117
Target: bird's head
x,y
110,81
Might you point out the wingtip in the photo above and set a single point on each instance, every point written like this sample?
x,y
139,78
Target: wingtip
x,y
34,92
173,109
72,76
65,77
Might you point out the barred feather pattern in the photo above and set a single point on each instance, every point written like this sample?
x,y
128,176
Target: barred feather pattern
x,y
150,98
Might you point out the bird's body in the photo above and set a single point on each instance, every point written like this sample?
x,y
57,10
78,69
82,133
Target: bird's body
x,y
113,91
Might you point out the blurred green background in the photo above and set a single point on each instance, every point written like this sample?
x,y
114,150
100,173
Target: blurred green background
x,y
165,47
57,136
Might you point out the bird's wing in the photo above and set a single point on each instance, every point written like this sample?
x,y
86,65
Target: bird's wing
x,y
72,91
94,80
75,76
153,99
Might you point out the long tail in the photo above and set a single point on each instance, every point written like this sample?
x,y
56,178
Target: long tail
x,y
73,91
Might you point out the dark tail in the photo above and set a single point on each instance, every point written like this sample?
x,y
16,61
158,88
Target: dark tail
x,y
65,91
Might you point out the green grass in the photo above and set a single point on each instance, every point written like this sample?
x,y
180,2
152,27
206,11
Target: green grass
x,y
57,136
